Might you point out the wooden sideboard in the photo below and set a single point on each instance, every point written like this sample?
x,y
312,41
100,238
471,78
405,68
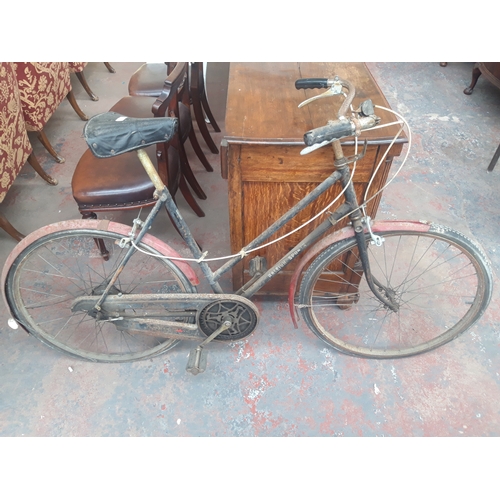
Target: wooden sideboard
x,y
260,153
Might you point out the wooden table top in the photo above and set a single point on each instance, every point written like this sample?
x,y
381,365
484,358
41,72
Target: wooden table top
x,y
262,101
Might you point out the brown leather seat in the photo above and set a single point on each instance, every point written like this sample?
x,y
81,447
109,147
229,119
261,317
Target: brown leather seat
x,y
120,182
112,183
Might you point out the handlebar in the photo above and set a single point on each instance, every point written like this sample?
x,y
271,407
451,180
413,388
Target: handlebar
x,y
344,126
338,129
313,83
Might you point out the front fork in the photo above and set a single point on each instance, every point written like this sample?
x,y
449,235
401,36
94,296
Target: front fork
x,y
379,290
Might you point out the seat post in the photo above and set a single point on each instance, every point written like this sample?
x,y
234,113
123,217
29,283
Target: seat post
x,y
151,171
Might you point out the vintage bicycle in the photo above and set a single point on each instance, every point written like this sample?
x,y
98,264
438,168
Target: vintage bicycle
x,y
106,292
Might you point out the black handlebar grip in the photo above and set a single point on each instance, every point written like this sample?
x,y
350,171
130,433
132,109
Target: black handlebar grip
x,y
311,83
334,130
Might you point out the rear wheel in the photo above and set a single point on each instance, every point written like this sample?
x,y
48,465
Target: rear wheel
x,y
53,271
440,281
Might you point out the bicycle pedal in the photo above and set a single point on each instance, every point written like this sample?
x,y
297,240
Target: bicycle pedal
x,y
197,362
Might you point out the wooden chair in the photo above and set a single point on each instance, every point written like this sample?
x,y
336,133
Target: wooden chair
x,y
148,79
15,147
120,183
200,104
42,88
140,107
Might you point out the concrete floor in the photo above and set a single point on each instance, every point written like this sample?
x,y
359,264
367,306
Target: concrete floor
x,y
280,381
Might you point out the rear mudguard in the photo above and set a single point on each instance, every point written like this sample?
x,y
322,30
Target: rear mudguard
x,y
342,234
104,225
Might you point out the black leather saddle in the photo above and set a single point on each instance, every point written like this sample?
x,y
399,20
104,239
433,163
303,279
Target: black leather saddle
x,y
111,134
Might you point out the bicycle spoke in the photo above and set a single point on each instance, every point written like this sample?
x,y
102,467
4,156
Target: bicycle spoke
x,y
431,280
63,268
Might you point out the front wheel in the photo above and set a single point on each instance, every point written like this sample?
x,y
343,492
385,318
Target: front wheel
x,y
54,270
440,281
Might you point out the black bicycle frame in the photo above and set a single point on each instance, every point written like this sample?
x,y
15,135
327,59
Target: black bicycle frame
x,y
349,208
249,290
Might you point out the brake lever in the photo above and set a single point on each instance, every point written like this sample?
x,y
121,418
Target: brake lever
x,y
314,147
335,89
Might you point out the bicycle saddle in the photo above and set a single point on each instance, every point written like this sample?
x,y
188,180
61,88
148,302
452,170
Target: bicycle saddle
x,y
111,134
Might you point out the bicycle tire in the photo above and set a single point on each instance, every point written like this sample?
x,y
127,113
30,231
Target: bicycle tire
x,y
441,280
54,269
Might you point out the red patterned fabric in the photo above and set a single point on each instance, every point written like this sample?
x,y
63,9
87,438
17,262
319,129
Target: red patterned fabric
x,y
15,146
76,67
42,87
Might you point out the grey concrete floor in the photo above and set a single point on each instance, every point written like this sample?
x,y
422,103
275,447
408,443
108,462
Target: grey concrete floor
x,y
280,381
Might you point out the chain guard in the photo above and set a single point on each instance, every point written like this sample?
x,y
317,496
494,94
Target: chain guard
x,y
210,310
239,311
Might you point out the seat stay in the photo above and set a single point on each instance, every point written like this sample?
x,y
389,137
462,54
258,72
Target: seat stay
x,y
145,227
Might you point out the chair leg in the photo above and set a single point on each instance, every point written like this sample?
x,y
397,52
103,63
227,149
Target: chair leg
x,y
199,153
110,68
101,246
208,112
200,117
188,174
476,73
9,228
494,159
206,106
33,161
88,215
85,85
189,197
202,124
48,146
74,105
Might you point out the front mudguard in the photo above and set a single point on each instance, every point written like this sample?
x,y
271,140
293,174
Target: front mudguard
x,y
104,225
343,234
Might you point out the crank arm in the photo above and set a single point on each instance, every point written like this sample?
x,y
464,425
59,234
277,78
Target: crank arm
x,y
197,361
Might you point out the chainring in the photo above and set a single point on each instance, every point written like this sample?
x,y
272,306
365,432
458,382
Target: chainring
x,y
243,316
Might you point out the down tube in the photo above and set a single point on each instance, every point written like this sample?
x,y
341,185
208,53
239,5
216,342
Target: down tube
x,y
276,226
294,252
